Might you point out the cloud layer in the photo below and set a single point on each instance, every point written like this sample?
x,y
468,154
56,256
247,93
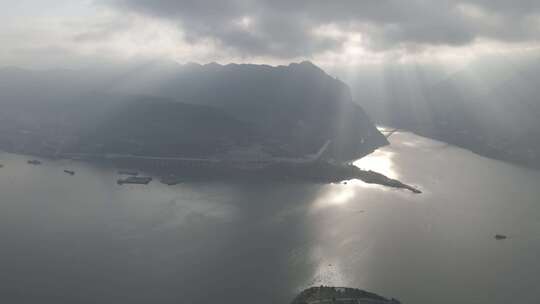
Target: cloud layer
x,y
71,33
288,29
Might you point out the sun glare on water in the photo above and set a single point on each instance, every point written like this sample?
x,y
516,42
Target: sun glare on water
x,y
379,161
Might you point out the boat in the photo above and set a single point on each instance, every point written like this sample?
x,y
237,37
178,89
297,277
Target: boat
x,y
34,162
69,172
170,180
135,180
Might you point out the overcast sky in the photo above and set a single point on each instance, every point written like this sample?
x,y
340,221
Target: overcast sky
x,y
67,33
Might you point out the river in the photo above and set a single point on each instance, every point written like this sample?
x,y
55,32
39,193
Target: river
x,y
84,239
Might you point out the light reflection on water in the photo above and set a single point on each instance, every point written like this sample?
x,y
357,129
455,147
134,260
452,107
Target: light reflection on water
x,y
329,274
381,161
329,269
334,195
86,237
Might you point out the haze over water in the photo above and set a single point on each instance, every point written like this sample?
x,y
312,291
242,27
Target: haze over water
x,y
85,239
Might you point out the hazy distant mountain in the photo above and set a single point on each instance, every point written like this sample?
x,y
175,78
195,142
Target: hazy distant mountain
x,y
290,110
491,107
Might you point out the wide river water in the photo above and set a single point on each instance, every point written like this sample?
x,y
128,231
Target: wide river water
x,y
84,239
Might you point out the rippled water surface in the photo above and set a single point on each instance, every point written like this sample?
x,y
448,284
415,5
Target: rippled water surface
x,y
84,239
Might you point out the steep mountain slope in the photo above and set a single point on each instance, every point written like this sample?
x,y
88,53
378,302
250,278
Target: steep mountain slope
x,y
291,110
297,105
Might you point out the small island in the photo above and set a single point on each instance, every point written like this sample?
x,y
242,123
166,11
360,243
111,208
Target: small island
x,y
340,295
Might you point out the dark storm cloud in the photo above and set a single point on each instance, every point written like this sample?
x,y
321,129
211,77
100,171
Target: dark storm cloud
x,y
285,28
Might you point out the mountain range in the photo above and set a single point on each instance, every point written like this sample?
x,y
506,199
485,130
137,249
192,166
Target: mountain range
x,y
187,110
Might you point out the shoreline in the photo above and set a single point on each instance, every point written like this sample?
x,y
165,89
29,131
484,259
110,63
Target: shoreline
x,y
314,172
